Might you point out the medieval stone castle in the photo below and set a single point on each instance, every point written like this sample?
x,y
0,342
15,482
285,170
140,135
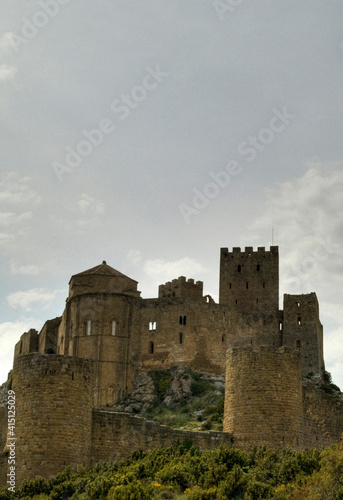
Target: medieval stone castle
x,y
66,376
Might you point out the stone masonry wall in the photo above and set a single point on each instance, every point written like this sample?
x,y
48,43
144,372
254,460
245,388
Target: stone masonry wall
x,y
263,397
323,417
117,435
53,414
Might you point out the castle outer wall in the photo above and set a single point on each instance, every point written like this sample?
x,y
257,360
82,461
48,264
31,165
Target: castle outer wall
x,y
53,414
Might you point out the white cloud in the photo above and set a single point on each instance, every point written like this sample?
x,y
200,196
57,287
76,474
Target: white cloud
x,y
87,204
307,216
15,190
134,257
8,219
30,270
166,270
35,297
7,72
6,43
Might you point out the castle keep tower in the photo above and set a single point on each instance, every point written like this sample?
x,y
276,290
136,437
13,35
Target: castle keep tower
x,y
263,397
249,281
53,414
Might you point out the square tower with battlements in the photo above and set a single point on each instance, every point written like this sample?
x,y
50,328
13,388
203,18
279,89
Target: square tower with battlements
x,y
249,281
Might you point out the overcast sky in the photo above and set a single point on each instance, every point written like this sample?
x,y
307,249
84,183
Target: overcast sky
x,y
152,133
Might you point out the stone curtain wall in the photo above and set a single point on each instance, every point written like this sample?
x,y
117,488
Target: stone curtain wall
x,y
117,435
53,414
263,397
323,417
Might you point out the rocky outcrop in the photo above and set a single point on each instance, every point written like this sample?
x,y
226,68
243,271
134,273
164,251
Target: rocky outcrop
x,y
168,387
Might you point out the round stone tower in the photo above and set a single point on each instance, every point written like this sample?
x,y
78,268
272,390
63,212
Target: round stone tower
x,y
53,397
263,397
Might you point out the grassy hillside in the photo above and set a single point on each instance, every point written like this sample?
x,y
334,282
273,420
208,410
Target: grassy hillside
x,y
183,472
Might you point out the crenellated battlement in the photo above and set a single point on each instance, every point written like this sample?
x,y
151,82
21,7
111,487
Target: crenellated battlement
x,y
274,250
181,287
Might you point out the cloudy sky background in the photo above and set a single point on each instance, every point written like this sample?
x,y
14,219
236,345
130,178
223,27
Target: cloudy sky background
x,y
185,90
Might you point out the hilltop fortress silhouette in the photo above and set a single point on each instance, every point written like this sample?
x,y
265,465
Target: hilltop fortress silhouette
x,y
66,376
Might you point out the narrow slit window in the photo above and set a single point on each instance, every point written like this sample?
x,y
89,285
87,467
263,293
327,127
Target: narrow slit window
x,y
180,338
239,268
258,267
154,325
246,285
89,327
230,286
264,285
114,326
151,347
298,344
299,320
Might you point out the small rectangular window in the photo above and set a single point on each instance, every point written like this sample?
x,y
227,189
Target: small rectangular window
x,y
114,328
258,267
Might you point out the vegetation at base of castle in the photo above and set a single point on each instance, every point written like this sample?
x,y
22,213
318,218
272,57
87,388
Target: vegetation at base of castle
x,y
203,410
184,473
328,386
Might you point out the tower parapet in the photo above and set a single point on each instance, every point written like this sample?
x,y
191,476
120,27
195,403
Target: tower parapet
x,y
182,288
